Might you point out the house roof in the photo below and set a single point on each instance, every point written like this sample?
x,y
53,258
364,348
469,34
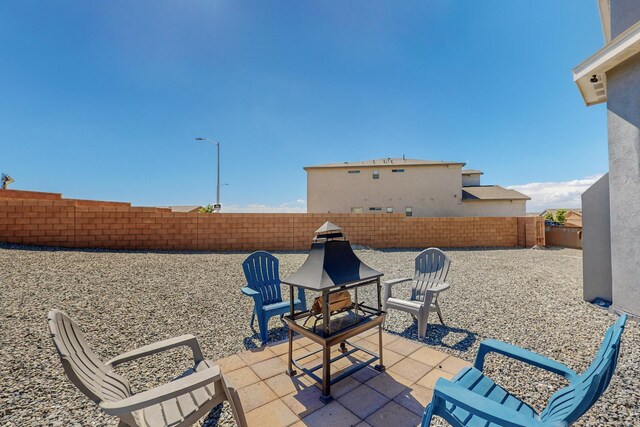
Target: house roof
x,y
471,172
183,208
491,192
569,210
384,162
591,75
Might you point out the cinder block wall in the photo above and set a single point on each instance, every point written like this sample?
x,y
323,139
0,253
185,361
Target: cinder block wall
x,y
565,237
48,219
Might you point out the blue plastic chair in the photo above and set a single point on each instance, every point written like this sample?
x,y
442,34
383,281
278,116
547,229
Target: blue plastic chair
x,y
472,399
261,270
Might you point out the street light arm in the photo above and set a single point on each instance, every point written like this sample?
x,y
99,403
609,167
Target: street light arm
x,y
207,139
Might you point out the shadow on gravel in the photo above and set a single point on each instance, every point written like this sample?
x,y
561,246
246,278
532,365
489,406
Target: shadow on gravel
x,y
275,334
441,336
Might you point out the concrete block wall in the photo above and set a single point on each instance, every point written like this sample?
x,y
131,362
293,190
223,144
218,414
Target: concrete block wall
x,y
565,237
48,219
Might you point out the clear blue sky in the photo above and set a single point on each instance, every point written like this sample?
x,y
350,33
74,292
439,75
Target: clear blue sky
x,y
102,100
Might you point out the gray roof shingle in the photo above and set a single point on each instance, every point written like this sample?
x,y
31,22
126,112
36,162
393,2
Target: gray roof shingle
x,y
491,192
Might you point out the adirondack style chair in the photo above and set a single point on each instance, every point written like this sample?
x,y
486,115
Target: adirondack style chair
x,y
429,279
178,403
261,269
472,399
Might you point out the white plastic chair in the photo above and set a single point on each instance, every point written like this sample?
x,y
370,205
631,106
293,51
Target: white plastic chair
x,y
429,279
179,403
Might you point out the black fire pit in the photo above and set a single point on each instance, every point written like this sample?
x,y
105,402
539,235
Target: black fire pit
x,y
333,270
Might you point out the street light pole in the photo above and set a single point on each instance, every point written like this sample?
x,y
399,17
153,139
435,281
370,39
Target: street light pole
x,y
217,206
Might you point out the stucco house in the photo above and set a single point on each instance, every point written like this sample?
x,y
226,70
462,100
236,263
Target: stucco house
x,y
573,217
611,225
421,188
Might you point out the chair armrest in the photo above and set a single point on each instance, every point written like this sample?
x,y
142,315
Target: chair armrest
x,y
396,281
526,356
257,296
446,391
250,292
160,394
188,340
438,288
388,284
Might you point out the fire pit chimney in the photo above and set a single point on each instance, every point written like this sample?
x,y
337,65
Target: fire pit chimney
x,y
331,263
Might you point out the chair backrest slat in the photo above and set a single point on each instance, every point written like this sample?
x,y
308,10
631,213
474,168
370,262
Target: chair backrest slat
x,y
431,268
82,366
570,403
261,269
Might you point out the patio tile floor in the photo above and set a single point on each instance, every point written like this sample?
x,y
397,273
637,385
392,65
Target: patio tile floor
x,y
397,396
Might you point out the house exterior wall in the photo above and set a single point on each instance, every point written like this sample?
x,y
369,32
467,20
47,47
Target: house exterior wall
x,y
493,208
572,218
470,180
624,13
623,115
596,242
428,190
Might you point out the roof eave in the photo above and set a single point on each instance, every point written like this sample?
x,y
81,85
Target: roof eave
x,y
612,54
395,165
497,200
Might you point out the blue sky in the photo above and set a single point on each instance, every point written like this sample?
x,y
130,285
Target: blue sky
x,y
102,100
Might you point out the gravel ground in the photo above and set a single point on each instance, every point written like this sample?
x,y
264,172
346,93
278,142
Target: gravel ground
x,y
122,300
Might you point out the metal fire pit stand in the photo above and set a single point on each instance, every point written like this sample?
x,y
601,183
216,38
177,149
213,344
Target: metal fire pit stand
x,y
370,318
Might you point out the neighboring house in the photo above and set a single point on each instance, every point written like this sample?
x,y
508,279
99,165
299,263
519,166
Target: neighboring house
x,y
567,234
611,255
183,209
573,217
421,188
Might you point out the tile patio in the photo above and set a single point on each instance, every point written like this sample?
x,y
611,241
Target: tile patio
x,y
397,396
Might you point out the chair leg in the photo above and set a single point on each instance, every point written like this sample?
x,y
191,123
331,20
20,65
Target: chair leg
x,y
253,318
263,323
423,315
427,415
439,313
422,324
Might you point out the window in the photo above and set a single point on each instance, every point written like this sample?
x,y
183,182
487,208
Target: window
x,y
357,210
356,171
397,170
375,209
376,174
389,210
408,211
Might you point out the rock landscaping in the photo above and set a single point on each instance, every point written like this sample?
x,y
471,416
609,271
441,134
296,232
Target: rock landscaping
x,y
125,299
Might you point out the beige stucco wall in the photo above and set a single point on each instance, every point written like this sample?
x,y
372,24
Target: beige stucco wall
x,y
430,191
493,208
468,180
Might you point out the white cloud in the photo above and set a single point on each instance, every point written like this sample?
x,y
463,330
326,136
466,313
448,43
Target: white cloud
x,y
299,206
550,195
